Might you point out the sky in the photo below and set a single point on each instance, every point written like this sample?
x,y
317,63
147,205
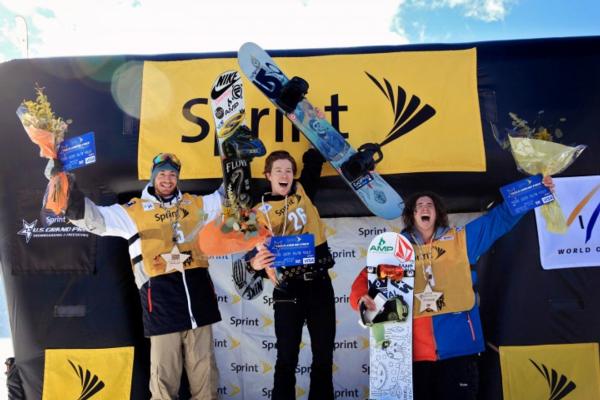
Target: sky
x,y
37,28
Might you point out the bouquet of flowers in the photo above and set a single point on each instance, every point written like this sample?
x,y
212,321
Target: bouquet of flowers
x,y
47,130
535,152
238,229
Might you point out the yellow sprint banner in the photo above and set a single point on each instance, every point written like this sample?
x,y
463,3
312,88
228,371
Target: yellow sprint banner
x,y
551,372
422,106
83,374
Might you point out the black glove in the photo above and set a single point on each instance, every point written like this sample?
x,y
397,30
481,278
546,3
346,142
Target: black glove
x,y
76,204
53,168
312,156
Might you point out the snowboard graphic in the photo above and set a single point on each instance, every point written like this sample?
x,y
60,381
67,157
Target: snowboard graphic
x,y
376,194
236,147
391,271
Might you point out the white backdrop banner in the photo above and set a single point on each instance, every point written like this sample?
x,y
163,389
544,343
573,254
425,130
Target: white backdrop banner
x,y
245,338
579,199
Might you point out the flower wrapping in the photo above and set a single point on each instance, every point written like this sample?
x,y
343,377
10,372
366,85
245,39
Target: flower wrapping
x,y
47,130
236,231
535,153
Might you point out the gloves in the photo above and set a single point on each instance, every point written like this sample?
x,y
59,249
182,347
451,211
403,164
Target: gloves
x,y
76,204
53,167
312,156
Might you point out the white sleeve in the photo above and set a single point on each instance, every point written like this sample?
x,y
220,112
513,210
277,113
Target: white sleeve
x,y
106,220
212,204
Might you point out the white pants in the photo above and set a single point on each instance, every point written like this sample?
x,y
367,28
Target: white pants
x,y
192,349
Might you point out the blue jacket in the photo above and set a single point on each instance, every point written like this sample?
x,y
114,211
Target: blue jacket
x,y
459,334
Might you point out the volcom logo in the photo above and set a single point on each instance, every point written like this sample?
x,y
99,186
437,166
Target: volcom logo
x,y
404,249
559,387
407,116
90,383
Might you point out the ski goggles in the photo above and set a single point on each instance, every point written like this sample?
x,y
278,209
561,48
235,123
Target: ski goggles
x,y
394,272
166,158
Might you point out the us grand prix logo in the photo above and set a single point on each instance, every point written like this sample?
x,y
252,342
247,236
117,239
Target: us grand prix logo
x,y
408,113
55,228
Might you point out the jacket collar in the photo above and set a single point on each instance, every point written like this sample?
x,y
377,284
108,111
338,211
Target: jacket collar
x,y
149,194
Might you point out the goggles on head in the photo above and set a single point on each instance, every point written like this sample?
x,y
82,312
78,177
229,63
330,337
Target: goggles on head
x,y
166,158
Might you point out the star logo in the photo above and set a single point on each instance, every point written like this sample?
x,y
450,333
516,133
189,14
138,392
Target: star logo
x,y
428,299
27,230
174,260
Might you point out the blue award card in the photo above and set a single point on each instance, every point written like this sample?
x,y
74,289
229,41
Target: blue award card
x,y
293,250
77,151
525,194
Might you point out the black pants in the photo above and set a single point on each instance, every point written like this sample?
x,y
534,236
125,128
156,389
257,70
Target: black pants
x,y
311,302
452,379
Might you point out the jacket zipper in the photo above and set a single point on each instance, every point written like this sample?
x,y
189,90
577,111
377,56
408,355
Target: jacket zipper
x,y
189,302
471,326
149,297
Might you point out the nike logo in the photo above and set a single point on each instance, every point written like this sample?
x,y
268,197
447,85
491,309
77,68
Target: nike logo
x,y
224,82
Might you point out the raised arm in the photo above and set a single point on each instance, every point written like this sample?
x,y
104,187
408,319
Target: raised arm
x,y
311,172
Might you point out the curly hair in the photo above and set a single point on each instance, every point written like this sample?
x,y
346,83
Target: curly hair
x,y
279,155
408,215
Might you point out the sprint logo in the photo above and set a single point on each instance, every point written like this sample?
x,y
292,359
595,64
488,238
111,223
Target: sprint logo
x,y
559,388
408,115
230,390
226,343
263,322
90,383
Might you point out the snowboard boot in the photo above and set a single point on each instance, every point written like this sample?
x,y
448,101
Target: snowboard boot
x,y
291,94
363,161
243,145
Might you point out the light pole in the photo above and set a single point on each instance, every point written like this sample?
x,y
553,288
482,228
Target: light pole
x,y
22,35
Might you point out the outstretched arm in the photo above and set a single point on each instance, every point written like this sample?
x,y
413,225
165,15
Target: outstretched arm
x,y
485,230
103,221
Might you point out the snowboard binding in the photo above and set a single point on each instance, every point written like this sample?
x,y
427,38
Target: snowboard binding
x,y
247,282
394,310
243,145
363,161
292,93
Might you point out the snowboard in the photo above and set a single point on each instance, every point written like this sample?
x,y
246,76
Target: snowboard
x,y
390,271
375,193
236,147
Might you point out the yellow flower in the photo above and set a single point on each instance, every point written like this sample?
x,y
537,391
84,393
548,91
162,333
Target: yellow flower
x,y
543,134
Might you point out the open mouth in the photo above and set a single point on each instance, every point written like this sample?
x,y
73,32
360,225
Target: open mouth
x,y
425,218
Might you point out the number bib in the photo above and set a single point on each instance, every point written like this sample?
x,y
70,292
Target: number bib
x,y
292,215
157,229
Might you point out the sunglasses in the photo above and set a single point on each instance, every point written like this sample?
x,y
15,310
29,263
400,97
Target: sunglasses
x,y
394,272
166,158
